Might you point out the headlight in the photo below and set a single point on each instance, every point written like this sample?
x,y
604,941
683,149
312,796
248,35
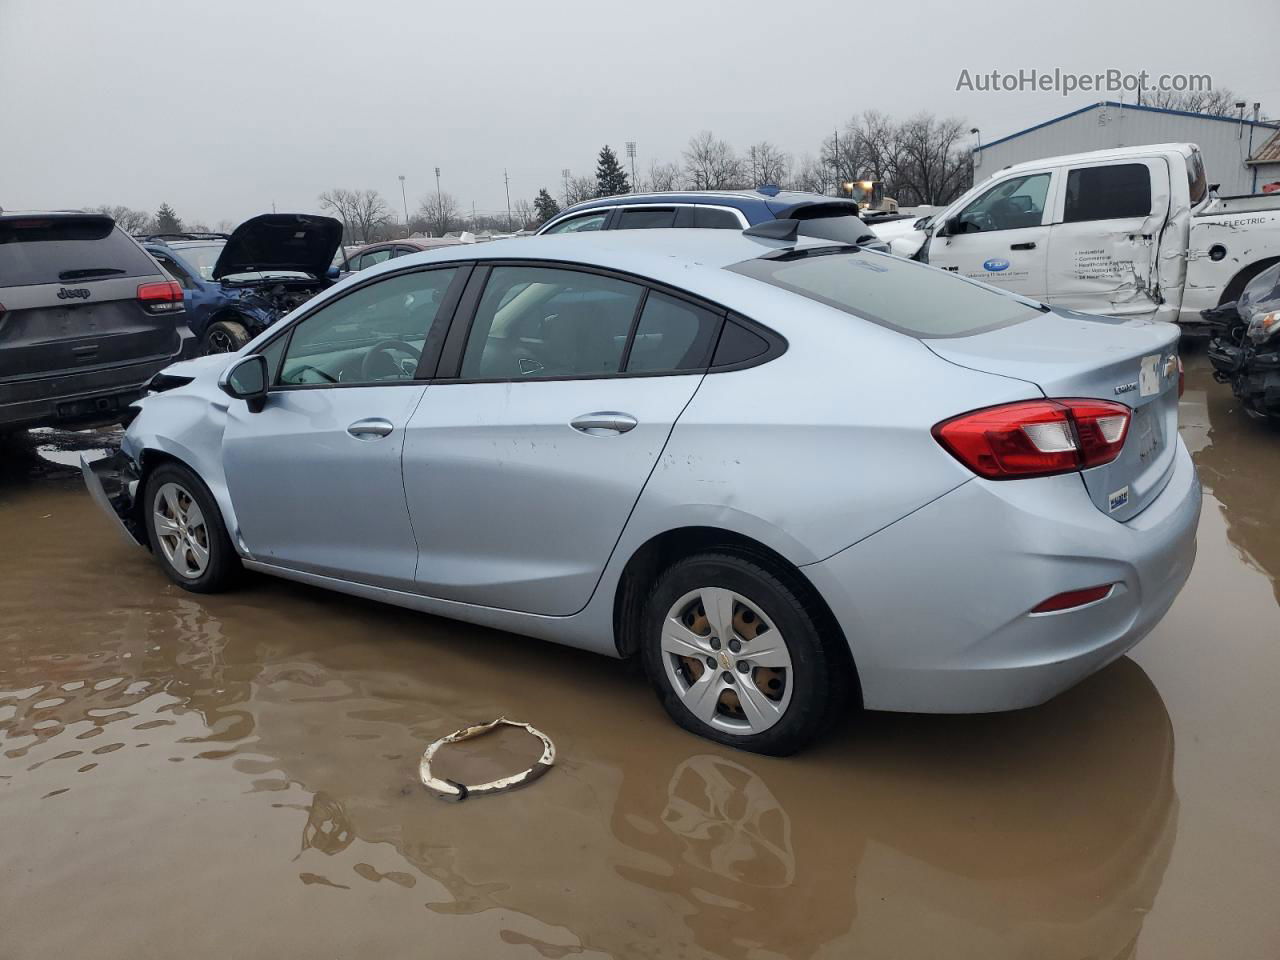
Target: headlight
x,y
1264,326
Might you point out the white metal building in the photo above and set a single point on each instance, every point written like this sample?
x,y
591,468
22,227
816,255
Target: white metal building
x,y
1226,143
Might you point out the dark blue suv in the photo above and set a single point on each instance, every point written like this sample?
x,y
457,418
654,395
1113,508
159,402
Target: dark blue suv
x,y
236,286
827,218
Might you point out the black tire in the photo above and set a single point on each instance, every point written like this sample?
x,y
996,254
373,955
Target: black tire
x,y
223,336
223,565
821,673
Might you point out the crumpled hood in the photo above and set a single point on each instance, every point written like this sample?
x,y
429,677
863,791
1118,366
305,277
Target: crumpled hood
x,y
200,367
281,241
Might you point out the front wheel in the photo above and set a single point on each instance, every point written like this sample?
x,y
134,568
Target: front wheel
x,y
186,532
736,655
223,336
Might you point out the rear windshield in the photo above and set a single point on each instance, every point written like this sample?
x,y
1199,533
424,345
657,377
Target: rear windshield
x,y
909,297
66,250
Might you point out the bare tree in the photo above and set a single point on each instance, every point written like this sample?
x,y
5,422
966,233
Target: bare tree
x,y
767,165
1215,103
128,219
662,176
710,164
362,212
224,226
440,213
526,216
813,175
581,188
936,168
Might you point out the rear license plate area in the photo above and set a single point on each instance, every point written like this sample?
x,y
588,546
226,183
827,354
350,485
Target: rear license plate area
x,y
88,407
1147,433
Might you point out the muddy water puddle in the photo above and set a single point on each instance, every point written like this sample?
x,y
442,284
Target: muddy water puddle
x,y
236,776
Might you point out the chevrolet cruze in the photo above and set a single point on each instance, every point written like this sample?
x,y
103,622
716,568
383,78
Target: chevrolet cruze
x,y
788,474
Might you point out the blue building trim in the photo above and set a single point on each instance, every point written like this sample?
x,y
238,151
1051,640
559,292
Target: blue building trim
x,y
1125,106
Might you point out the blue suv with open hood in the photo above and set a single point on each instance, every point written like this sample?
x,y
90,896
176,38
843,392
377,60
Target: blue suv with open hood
x,y
236,286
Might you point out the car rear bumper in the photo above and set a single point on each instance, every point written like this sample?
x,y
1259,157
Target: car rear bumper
x,y
113,484
82,397
937,607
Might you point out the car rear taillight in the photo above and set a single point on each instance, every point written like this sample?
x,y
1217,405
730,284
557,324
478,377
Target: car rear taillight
x,y
1073,598
1036,438
161,296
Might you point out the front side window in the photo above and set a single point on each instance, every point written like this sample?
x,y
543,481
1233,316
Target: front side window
x,y
672,335
590,221
1010,205
375,334
1107,193
372,257
538,322
646,218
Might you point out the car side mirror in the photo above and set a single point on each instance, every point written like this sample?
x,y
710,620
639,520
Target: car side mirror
x,y
334,272
246,380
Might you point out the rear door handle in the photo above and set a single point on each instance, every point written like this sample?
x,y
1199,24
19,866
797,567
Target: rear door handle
x,y
604,423
1029,245
371,428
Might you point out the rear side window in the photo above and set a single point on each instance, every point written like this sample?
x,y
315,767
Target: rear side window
x,y
909,297
672,335
738,345
1107,193
67,250
708,218
539,322
1195,177
646,219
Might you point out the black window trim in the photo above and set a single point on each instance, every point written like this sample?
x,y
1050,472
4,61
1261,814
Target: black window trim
x,y
449,364
431,348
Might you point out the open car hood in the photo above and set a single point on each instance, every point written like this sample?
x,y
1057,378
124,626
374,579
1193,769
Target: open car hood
x,y
280,241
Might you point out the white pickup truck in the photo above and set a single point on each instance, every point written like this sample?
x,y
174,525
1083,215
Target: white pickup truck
x,y
1129,232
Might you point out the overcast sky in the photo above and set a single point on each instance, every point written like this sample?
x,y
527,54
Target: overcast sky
x,y
221,107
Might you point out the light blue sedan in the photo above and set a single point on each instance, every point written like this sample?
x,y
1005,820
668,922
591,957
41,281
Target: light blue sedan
x,y
787,473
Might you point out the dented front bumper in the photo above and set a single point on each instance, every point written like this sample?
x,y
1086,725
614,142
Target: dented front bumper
x,y
113,484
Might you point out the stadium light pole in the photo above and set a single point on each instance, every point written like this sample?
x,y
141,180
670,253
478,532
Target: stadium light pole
x,y
631,154
405,200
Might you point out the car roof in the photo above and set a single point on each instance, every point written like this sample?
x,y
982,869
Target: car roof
x,y
685,259
1109,153
770,202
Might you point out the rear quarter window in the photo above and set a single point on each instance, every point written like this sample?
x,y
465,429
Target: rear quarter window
x,y
40,250
908,297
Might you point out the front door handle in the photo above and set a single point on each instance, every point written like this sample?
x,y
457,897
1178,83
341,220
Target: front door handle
x,y
1029,245
371,428
605,423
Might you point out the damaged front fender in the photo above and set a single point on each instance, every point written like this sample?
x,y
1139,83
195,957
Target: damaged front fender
x,y
113,484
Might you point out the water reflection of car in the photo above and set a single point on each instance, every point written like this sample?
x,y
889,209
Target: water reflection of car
x,y
697,446
236,286
371,254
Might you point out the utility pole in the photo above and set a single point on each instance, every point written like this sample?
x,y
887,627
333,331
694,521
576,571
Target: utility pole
x,y
565,175
631,154
405,200
506,182
473,216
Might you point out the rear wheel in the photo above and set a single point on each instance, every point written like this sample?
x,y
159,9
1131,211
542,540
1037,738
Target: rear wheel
x,y
223,336
736,655
186,532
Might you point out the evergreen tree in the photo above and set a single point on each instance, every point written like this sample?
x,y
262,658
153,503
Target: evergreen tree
x,y
545,205
167,220
611,179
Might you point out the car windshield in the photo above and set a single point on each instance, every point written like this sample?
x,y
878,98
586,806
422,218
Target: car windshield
x,y
909,297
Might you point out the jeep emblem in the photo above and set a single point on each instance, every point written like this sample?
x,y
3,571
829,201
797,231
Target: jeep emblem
x,y
73,293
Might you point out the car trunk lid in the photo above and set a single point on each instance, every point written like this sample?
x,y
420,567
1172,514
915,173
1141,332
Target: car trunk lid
x,y
1068,354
